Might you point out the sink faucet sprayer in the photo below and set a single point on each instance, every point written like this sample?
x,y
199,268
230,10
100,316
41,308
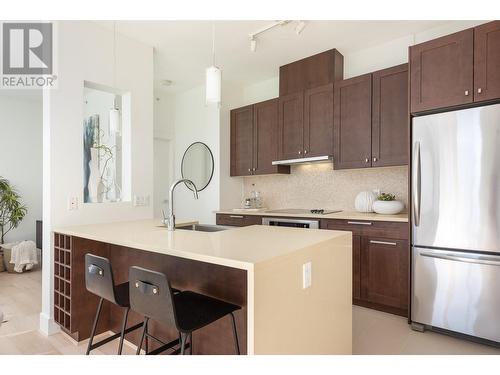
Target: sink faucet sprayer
x,y
170,220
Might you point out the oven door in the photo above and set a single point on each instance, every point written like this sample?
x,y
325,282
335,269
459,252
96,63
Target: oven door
x,y
293,223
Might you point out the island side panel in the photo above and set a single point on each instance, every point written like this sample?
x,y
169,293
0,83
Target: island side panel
x,y
318,320
226,283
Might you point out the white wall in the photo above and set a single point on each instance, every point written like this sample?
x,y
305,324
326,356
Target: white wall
x,y
196,122
163,150
85,54
21,156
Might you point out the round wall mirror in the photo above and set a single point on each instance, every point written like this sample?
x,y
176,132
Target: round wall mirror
x,y
198,165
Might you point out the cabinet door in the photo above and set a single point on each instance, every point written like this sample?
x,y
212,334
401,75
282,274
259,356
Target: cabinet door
x,y
265,117
242,141
384,272
352,123
356,267
318,121
441,72
487,61
291,125
390,117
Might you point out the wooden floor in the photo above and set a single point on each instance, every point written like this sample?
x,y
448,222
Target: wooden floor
x,y
374,332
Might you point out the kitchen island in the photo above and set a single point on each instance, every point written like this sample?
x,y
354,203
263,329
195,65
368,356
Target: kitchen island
x,y
257,267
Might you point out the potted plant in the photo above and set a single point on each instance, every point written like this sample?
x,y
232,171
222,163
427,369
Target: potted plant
x,y
12,210
387,204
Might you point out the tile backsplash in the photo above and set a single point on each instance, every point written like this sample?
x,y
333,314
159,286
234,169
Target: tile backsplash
x,y
319,186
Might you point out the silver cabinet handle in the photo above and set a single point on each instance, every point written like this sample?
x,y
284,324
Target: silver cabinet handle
x,y
466,92
367,160
464,258
236,216
254,169
375,159
479,90
417,183
249,169
359,222
300,152
383,243
305,152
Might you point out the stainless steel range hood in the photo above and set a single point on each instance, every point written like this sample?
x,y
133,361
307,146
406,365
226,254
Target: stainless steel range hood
x,y
314,159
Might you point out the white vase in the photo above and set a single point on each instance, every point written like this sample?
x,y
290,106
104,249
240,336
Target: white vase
x,y
95,175
388,207
364,201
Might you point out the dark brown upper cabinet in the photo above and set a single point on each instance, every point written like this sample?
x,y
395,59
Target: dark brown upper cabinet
x,y
390,117
254,136
487,61
314,71
242,141
318,121
353,123
265,117
306,105
441,72
291,126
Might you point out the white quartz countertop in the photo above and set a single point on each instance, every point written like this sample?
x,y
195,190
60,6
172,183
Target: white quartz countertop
x,y
345,215
238,248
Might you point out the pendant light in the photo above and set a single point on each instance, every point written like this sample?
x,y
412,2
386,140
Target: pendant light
x,y
115,125
213,77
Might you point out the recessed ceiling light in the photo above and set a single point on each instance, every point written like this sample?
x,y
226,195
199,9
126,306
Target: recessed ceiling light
x,y
166,82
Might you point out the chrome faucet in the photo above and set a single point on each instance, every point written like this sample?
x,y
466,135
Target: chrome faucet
x,y
170,220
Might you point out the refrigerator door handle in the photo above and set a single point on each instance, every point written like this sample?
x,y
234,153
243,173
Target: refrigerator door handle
x,y
488,260
417,180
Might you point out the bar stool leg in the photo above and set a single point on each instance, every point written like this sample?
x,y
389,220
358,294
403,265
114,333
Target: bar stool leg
x,y
144,328
191,343
124,327
235,334
183,342
147,338
94,326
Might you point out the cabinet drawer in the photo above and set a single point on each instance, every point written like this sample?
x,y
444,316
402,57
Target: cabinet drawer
x,y
384,229
238,220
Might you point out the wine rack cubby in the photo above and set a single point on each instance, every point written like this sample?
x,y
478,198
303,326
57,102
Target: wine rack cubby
x,y
62,281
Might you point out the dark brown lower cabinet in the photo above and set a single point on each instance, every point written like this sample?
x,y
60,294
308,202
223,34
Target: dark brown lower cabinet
x,y
356,267
384,273
238,220
380,269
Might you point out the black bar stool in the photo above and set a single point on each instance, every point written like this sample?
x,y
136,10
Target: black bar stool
x,y
152,296
99,281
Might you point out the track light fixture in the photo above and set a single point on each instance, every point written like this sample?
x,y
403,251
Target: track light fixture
x,y
300,26
253,37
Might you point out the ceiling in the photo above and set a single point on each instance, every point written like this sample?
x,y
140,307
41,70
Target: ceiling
x,y
184,48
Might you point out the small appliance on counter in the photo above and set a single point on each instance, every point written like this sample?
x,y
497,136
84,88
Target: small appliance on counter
x,y
254,201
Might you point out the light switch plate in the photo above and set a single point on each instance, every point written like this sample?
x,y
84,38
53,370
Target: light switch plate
x,y
306,275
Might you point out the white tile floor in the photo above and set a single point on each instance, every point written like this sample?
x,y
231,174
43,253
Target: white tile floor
x,y
374,332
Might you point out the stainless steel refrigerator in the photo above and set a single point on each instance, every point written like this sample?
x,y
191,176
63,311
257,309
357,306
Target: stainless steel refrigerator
x,y
456,221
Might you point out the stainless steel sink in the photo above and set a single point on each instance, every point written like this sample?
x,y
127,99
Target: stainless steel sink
x,y
205,227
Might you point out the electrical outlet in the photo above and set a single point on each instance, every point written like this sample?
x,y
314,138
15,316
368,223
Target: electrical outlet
x,y
72,203
141,200
306,275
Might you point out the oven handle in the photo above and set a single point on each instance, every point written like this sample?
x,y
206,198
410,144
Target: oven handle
x,y
487,260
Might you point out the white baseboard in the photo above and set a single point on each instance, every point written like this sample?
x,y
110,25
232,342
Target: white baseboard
x,y
48,326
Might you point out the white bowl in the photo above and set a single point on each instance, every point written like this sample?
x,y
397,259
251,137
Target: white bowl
x,y
388,207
